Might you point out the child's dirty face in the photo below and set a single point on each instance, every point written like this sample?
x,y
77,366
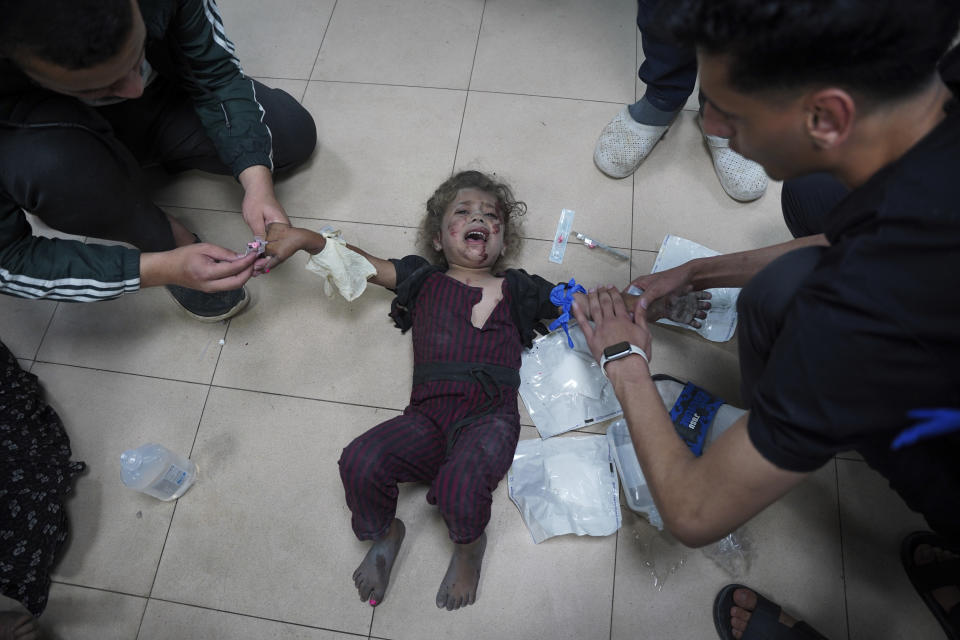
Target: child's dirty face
x,y
471,233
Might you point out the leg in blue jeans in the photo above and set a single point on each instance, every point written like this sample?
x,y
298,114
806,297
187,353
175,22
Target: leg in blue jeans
x,y
669,70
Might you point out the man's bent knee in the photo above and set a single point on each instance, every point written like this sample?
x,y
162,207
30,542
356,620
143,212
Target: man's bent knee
x,y
291,125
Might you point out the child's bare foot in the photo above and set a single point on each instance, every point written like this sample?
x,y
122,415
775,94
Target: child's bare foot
x,y
373,574
689,308
459,586
18,626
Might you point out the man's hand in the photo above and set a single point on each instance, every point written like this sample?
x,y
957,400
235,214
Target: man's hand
x,y
201,266
261,208
612,323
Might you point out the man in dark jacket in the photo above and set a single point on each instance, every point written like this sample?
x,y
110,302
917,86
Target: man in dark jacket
x,y
90,91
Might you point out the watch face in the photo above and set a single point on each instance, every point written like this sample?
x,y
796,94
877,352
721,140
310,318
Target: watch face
x,y
616,349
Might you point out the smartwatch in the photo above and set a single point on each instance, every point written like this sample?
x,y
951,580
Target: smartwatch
x,y
620,350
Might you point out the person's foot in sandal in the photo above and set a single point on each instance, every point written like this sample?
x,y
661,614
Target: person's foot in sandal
x,y
933,566
742,613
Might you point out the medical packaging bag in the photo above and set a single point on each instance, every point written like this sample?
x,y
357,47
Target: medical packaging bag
x,y
563,388
721,321
565,485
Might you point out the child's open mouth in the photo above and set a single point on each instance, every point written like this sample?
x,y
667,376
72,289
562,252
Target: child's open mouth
x,y
477,235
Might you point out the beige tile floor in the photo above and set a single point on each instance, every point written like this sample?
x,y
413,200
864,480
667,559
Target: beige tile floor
x,y
403,92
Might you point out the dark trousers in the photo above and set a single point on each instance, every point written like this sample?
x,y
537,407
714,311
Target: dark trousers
x,y
763,304
413,447
78,168
669,70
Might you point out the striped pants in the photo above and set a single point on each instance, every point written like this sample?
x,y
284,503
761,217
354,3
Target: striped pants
x,y
413,448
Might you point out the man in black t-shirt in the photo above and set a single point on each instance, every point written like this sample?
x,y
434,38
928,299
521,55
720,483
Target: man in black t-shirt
x,y
845,334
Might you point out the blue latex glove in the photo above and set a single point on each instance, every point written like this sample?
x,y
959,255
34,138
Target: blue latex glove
x,y
562,296
932,423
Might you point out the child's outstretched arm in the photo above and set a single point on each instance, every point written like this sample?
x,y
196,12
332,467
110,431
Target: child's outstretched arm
x,y
689,308
283,241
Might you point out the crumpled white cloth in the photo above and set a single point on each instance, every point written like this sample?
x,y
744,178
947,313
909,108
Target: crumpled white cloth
x,y
340,267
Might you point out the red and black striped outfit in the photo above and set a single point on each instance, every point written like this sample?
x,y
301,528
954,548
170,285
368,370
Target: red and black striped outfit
x,y
463,468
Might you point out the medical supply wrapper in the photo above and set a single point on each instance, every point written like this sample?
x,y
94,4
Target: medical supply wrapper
x,y
563,388
566,485
721,321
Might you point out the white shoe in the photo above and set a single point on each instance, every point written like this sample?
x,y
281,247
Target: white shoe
x,y
742,179
624,144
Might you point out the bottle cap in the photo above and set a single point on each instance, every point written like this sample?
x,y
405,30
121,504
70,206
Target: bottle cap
x,y
131,460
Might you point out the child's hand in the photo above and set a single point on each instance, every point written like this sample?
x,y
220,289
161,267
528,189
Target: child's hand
x,y
283,241
689,308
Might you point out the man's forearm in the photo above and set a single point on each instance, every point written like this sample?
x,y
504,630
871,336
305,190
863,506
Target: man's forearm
x,y
667,463
736,269
700,499
155,269
257,179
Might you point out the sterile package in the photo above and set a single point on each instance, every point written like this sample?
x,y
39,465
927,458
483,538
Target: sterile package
x,y
721,321
565,485
563,388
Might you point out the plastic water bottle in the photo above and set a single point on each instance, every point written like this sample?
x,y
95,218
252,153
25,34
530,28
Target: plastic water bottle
x,y
155,470
634,484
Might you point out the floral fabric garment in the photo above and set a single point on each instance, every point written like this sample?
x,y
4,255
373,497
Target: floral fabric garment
x,y
35,475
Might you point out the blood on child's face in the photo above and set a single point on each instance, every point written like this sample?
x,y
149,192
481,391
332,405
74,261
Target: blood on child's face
x,y
471,232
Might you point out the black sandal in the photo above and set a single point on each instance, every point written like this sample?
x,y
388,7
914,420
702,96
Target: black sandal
x,y
764,621
927,577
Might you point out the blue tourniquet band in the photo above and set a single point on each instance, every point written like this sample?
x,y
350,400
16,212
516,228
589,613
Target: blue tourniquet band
x,y
562,296
692,414
932,423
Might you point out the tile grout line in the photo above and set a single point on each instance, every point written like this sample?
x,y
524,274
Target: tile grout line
x,y
843,566
502,92
633,200
316,59
173,514
633,213
46,330
466,97
148,598
249,615
373,614
388,225
613,587
218,386
85,586
633,177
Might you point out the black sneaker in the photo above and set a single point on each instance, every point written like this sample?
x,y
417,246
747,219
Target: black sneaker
x,y
210,307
